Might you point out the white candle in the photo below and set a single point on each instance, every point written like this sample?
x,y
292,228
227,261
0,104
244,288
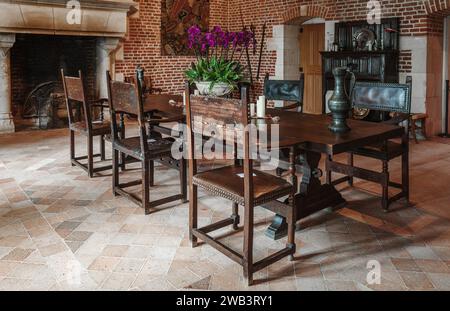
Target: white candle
x,y
261,107
252,109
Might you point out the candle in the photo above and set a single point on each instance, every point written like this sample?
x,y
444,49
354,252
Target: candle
x,y
261,107
252,109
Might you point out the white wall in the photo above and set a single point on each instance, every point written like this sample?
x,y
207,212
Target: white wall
x,y
418,47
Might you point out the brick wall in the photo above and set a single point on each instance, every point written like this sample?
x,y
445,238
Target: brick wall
x,y
143,46
418,18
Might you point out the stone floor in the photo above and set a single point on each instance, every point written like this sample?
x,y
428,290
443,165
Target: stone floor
x,y
60,230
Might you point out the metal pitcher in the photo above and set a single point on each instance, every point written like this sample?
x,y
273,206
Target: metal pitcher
x,y
340,102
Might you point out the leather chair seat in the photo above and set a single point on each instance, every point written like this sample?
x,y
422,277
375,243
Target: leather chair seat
x,y
158,147
228,183
98,127
380,151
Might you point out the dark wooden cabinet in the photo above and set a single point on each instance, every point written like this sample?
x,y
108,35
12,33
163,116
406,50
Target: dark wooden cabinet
x,y
377,65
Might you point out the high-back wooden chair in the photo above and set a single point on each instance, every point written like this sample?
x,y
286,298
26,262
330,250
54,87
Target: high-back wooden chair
x,y
285,90
243,185
75,94
146,84
127,98
388,97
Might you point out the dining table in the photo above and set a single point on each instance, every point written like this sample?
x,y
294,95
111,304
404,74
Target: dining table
x,y
305,138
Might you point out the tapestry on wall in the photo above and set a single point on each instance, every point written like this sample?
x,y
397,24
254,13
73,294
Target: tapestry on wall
x,y
176,18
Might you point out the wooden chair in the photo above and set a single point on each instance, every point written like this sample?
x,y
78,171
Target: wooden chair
x,y
420,118
146,84
75,94
243,185
383,97
285,90
127,98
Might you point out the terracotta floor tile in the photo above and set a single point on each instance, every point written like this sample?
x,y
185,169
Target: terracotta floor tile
x,y
416,280
73,220
18,254
402,264
433,266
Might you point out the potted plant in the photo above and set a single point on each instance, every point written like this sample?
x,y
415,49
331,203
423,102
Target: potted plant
x,y
217,70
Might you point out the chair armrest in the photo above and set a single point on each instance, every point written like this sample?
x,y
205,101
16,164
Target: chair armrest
x,y
397,118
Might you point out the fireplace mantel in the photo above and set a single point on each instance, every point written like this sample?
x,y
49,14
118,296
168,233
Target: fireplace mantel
x,y
107,18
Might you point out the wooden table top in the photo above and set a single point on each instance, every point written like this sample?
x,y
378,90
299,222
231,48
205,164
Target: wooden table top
x,y
160,106
313,133
296,129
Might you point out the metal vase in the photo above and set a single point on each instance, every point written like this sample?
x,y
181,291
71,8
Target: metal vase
x,y
339,103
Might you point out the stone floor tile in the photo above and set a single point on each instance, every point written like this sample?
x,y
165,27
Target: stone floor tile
x,y
119,281
129,265
104,263
115,250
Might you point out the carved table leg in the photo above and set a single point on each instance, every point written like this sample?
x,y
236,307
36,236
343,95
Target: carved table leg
x,y
313,195
278,227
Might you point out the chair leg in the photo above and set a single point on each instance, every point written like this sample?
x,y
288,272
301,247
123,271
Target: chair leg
x,y
350,162
193,192
102,147
123,158
248,244
413,130
405,168
151,173
146,186
235,216
115,161
183,180
90,156
328,171
424,128
72,147
385,185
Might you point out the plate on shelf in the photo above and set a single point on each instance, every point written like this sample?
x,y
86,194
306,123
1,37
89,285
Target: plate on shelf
x,y
365,39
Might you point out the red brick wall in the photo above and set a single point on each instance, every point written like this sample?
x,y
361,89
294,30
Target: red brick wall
x,y
418,17
143,46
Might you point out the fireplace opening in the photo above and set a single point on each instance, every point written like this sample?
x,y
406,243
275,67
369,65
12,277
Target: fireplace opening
x,y
37,93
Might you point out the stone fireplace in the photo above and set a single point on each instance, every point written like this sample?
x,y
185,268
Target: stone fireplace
x,y
37,38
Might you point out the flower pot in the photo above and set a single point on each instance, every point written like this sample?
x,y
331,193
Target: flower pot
x,y
219,89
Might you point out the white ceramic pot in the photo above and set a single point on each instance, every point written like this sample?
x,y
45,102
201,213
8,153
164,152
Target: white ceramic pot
x,y
219,89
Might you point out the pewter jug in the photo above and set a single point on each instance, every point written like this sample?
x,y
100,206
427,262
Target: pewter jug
x,y
340,102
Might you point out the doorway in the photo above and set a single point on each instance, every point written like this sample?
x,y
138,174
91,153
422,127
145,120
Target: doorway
x,y
311,42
